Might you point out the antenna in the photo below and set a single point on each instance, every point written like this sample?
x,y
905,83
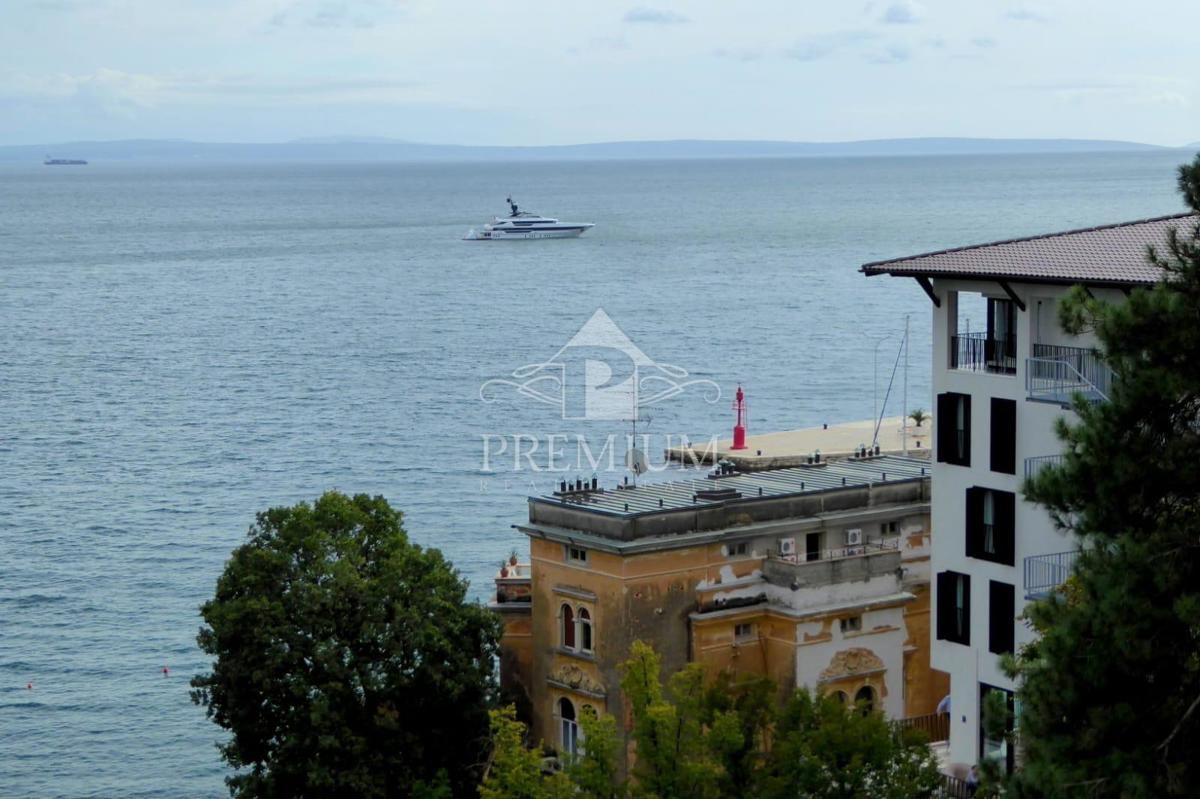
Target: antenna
x,y
635,459
904,407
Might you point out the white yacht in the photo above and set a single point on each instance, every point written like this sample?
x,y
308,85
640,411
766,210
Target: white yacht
x,y
526,225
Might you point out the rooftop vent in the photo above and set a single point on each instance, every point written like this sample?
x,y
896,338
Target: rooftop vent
x,y
577,490
716,494
724,469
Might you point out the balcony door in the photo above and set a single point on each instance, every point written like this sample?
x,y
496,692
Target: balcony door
x,y
1001,336
812,546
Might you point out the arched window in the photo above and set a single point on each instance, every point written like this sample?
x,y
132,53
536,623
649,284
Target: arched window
x,y
866,698
569,728
567,620
841,697
585,630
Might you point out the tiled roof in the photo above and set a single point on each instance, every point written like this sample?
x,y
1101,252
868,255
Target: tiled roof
x,y
1105,255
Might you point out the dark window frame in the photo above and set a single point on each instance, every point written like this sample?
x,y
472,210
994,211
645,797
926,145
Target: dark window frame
x,y
953,441
953,620
1003,449
1002,612
1003,533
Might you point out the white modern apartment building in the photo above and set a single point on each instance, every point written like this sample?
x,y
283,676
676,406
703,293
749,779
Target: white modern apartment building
x,y
998,391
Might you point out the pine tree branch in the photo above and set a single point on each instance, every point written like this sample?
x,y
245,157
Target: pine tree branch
x,y
1179,726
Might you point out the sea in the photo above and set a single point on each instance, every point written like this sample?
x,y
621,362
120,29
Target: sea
x,y
183,346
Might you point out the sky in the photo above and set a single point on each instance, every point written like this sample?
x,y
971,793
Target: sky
x,y
567,71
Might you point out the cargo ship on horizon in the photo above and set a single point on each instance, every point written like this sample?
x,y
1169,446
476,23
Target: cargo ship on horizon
x,y
64,162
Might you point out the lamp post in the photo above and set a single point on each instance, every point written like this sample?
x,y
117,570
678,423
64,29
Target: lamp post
x,y
875,391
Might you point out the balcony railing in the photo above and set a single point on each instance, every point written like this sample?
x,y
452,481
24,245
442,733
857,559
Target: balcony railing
x,y
976,352
936,726
848,551
1056,374
845,564
1044,573
1035,465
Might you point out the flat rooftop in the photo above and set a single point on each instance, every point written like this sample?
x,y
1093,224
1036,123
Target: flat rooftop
x,y
702,492
793,447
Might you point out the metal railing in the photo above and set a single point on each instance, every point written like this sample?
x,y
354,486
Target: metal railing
x,y
1044,573
955,788
976,352
1034,465
1056,374
848,551
936,726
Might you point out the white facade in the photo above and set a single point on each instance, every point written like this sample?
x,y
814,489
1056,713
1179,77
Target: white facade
x,y
972,664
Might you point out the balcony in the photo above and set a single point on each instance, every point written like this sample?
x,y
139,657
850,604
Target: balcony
x,y
844,564
514,585
1035,465
1044,573
976,352
1056,374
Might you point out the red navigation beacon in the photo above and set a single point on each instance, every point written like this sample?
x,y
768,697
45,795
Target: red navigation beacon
x,y
739,429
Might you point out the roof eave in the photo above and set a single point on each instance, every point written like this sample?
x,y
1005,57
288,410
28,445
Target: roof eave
x,y
1011,278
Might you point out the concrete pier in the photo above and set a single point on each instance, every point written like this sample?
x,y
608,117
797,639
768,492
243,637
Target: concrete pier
x,y
794,447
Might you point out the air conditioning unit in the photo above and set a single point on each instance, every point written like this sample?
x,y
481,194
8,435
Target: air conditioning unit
x,y
854,537
787,546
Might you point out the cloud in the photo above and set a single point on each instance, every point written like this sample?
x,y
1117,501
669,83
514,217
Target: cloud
x,y
905,12
614,44
742,54
65,5
893,54
654,16
117,93
335,13
1026,14
983,41
813,48
1149,90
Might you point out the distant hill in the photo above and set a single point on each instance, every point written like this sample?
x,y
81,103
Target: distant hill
x,y
378,149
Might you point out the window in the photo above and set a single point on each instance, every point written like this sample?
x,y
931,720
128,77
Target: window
x,y
740,548
1001,615
841,697
569,727
576,554
887,528
996,748
585,630
990,525
742,632
812,546
852,624
954,429
954,607
989,522
566,618
1004,436
1001,348
865,698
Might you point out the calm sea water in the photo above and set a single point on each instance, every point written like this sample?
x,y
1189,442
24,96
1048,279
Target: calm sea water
x,y
183,346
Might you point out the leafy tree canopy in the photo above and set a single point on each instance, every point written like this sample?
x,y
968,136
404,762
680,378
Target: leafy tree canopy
x,y
1111,689
725,741
346,659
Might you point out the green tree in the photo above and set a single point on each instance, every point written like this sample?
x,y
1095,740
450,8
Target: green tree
x,y
824,749
1110,690
346,659
594,770
674,760
740,717
515,772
